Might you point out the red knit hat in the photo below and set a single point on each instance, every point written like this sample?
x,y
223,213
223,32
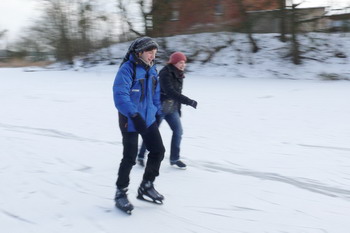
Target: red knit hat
x,y
176,57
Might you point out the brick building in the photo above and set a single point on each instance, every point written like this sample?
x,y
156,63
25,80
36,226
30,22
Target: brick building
x,y
339,22
311,19
171,17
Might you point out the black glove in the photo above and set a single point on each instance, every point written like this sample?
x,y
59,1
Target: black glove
x,y
139,123
193,103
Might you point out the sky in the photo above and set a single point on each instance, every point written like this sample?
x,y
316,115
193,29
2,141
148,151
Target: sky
x,y
16,14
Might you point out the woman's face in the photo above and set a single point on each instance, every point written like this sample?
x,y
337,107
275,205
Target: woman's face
x,y
180,65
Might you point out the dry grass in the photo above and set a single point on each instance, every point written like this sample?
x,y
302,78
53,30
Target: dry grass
x,y
333,76
23,63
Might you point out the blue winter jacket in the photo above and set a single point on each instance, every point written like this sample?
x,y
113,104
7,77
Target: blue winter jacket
x,y
141,95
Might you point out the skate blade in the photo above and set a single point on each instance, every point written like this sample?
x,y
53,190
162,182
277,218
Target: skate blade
x,y
127,211
181,168
150,200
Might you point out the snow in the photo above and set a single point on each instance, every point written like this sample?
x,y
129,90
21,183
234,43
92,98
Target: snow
x,y
265,152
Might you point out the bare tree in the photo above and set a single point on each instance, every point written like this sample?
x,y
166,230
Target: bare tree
x,y
3,33
283,20
85,21
146,9
247,25
55,28
146,12
69,29
126,19
296,57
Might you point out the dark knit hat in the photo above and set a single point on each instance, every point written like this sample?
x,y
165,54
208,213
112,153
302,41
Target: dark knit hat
x,y
143,44
176,57
139,45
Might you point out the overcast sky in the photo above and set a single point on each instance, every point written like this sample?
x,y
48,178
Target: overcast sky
x,y
16,14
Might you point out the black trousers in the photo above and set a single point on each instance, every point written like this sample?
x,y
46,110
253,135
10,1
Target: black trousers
x,y
154,145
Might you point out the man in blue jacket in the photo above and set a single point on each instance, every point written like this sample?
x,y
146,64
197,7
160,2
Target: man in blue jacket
x,y
136,94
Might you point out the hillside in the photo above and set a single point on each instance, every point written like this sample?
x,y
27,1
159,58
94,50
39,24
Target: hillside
x,y
324,55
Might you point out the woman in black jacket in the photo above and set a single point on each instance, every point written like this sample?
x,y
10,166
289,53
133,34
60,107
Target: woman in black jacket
x,y
171,82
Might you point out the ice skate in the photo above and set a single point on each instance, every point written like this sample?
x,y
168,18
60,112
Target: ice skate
x,y
141,162
178,164
147,192
122,202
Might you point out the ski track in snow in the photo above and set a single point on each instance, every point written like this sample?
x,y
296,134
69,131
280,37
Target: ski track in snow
x,y
51,133
326,147
314,186
16,217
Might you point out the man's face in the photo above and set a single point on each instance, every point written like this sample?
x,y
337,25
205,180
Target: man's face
x,y
180,65
148,56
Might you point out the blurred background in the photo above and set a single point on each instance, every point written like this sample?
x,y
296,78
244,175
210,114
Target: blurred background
x,y
267,148
42,32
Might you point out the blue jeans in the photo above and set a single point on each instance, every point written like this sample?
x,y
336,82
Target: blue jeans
x,y
173,120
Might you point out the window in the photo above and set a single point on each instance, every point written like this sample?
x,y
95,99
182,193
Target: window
x,y
219,8
174,15
149,22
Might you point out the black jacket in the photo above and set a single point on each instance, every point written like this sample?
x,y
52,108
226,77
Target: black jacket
x,y
171,83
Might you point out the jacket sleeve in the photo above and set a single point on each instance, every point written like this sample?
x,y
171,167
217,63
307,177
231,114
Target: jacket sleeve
x,y
168,87
156,97
121,91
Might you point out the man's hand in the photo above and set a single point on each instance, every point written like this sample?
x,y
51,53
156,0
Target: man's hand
x,y
139,123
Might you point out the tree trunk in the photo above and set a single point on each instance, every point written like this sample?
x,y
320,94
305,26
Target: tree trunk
x,y
295,43
247,26
283,17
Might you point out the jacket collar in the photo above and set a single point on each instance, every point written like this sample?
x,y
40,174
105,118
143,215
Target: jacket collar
x,y
178,73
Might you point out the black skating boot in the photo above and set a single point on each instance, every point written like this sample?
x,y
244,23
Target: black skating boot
x,y
141,162
122,202
147,192
178,164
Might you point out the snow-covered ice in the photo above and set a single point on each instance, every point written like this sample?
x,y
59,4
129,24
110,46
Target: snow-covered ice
x,y
264,155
